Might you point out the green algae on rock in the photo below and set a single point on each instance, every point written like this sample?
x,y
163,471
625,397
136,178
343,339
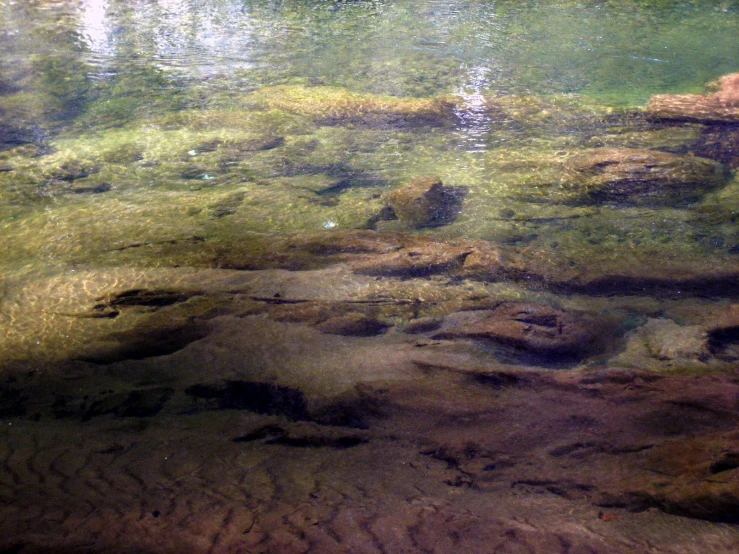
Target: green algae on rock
x,y
332,105
628,176
197,323
640,176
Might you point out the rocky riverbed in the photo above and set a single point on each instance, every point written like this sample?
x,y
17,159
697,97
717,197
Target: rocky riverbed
x,y
314,333
324,409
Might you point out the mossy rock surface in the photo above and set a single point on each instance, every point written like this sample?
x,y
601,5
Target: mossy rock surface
x,y
331,105
642,176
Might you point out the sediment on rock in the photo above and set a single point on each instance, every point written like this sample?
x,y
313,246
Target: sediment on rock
x,y
406,255
718,112
366,252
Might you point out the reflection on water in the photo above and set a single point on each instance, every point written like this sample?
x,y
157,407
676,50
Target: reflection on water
x,y
474,122
256,252
627,50
172,34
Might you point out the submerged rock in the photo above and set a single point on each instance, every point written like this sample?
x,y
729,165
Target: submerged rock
x,y
333,105
666,340
693,477
416,260
137,403
424,202
71,170
372,253
422,325
262,398
637,176
91,188
539,329
723,334
719,107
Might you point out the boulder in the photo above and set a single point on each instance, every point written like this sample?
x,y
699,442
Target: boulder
x,y
536,328
666,340
719,107
638,175
424,202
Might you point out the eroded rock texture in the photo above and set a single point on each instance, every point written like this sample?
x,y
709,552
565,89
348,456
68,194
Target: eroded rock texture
x,y
718,112
317,411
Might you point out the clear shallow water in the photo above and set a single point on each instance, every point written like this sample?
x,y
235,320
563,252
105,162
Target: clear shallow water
x,y
624,51
158,122
197,349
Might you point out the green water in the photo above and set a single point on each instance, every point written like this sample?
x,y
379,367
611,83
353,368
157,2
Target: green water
x,y
624,51
150,123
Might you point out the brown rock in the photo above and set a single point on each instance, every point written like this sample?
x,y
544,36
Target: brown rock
x,y
482,262
638,175
422,325
415,260
695,477
720,107
364,251
424,202
536,328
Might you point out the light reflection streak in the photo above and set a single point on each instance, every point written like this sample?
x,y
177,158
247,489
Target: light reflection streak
x,y
95,29
177,35
474,121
